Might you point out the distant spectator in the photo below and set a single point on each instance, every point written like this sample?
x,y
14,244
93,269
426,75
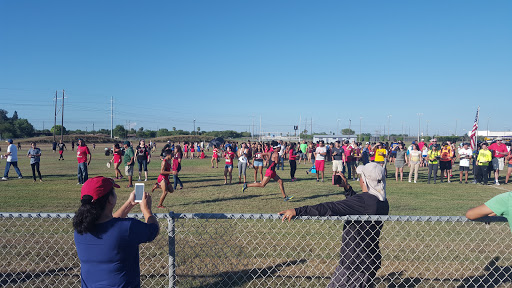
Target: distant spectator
x,y
433,161
509,161
446,161
338,156
483,160
84,157
414,162
320,153
107,243
400,161
360,251
498,162
61,146
12,159
143,158
34,154
54,146
129,162
465,155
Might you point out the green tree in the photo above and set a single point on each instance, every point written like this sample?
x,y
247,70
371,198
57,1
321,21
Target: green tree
x,y
119,131
14,116
56,128
347,131
24,128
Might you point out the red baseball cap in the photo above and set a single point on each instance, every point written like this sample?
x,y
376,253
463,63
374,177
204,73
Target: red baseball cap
x,y
98,187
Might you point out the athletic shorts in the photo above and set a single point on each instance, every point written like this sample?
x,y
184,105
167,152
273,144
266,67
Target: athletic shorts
x,y
337,165
270,173
304,156
509,165
128,170
258,163
495,164
501,162
228,166
320,165
60,152
445,165
463,168
163,177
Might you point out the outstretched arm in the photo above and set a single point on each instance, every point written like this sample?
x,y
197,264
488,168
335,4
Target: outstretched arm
x,y
479,211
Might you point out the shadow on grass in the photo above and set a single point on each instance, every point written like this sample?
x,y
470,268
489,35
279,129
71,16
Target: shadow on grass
x,y
21,277
340,193
493,276
239,278
245,197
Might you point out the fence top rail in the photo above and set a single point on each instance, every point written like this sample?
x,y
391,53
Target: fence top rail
x,y
390,218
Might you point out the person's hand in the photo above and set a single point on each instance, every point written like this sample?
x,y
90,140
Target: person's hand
x,y
145,204
131,198
287,214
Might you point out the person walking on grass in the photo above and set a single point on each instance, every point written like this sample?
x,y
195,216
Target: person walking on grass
x,y
303,151
12,160
320,153
143,158
243,162
271,172
129,162
84,157
117,159
107,243
400,161
414,162
258,162
215,156
228,168
465,155
163,179
34,154
292,156
61,147
433,160
360,250
176,167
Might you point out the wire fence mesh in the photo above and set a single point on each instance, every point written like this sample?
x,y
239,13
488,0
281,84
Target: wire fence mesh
x,y
258,250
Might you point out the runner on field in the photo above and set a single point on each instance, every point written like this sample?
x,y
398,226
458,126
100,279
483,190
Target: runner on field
x,y
271,172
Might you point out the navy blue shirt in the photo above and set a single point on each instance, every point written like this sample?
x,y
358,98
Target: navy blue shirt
x,y
109,257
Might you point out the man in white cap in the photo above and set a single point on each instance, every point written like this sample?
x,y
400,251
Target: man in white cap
x,y
360,252
498,162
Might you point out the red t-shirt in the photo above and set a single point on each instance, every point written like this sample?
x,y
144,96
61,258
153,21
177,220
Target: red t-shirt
x,y
81,153
293,155
348,152
421,144
502,148
229,158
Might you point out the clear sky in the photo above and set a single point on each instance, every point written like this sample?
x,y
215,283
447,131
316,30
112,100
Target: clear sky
x,y
226,63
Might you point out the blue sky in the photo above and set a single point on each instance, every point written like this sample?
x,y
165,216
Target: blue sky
x,y
226,63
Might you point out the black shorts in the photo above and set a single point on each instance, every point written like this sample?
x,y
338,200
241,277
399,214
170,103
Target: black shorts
x,y
445,165
463,168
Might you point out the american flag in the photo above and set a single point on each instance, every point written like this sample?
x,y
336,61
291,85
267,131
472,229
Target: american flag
x,y
473,131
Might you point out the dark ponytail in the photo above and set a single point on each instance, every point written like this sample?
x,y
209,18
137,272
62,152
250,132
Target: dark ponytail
x,y
89,213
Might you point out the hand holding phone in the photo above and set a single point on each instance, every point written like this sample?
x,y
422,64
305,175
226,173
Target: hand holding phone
x,y
139,192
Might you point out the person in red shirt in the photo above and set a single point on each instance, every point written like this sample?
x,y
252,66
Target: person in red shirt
x,y
500,151
292,159
421,144
228,168
117,159
348,159
215,156
82,154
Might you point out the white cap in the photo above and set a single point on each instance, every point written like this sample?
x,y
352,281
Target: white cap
x,y
498,139
374,176
422,139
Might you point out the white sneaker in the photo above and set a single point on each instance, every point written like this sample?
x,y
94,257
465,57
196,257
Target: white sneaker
x,y
409,181
414,181
145,180
4,179
20,177
497,183
139,178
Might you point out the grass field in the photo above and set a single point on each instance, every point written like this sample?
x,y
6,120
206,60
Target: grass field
x,y
204,190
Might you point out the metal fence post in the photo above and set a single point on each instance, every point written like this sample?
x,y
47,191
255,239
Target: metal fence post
x,y
172,250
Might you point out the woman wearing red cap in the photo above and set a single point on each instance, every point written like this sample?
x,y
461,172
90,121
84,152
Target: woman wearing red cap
x,y
107,243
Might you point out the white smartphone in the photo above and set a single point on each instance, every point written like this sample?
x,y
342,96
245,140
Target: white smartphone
x,y
139,192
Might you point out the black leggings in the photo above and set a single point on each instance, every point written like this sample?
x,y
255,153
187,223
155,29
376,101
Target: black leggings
x,y
293,168
35,166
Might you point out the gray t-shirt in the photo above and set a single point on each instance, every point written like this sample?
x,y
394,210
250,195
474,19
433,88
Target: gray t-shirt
x,y
32,153
339,153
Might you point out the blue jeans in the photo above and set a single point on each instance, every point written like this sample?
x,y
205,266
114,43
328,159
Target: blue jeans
x,y
348,166
176,181
282,163
82,172
8,166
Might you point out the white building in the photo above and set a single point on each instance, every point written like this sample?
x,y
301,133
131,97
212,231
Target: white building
x,y
492,134
334,138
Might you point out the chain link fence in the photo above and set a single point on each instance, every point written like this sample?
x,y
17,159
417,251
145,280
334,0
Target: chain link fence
x,y
258,250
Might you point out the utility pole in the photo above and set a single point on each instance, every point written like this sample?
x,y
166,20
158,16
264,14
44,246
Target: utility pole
x,y
92,126
360,129
55,119
62,121
419,124
111,117
389,133
194,126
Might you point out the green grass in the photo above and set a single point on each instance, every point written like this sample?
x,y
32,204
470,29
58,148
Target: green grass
x,y
204,190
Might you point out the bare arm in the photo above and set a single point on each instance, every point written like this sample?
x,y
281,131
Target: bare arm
x,y
127,207
478,212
